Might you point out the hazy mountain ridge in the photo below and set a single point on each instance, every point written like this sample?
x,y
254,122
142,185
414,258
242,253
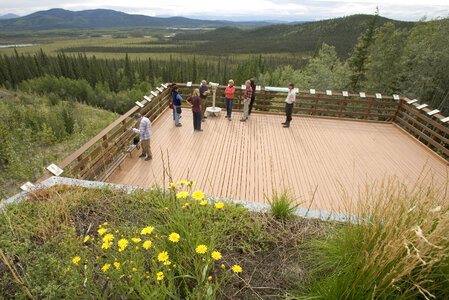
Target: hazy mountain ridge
x,y
104,18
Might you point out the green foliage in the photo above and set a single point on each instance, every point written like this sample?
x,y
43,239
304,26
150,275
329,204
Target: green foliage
x,y
281,206
393,247
35,133
45,234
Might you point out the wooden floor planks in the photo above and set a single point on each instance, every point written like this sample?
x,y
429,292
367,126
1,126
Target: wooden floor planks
x,y
248,160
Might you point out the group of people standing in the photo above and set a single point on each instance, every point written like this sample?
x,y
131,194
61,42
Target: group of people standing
x,y
198,102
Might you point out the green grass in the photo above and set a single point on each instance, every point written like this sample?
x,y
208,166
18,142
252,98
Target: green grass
x,y
282,205
396,249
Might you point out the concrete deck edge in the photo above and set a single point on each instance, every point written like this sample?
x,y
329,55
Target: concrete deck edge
x,y
251,206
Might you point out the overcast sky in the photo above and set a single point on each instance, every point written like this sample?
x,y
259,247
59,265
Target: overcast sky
x,y
285,10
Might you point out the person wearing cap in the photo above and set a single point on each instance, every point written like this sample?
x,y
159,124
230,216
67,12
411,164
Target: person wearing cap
x,y
176,101
229,96
289,103
145,134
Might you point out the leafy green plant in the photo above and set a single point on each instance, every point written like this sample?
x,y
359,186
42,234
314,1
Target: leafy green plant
x,y
282,205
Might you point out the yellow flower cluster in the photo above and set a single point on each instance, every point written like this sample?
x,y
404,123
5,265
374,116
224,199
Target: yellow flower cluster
x,y
198,195
86,239
201,249
147,230
162,256
160,276
146,245
122,244
182,195
236,269
219,205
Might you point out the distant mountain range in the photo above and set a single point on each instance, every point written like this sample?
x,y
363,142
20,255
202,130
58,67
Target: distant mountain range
x,y
104,18
9,16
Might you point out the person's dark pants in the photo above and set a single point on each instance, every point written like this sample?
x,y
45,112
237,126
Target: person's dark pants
x,y
196,120
288,112
251,105
229,106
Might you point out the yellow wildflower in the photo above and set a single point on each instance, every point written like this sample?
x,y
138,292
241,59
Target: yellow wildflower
x,y
209,278
147,245
198,195
219,205
166,208
101,231
147,277
182,182
117,231
160,275
136,240
203,203
106,267
186,205
76,260
137,247
173,237
167,263
236,268
117,265
105,223
147,230
223,266
162,256
108,238
182,195
174,265
106,245
191,183
134,269
123,275
216,255
171,185
86,239
123,243
201,249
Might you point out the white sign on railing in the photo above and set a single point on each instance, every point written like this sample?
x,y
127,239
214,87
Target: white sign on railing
x,y
312,91
435,111
378,95
258,87
27,186
345,94
445,120
396,97
147,98
139,104
55,170
422,106
412,101
189,84
164,86
243,87
362,95
329,92
159,89
153,93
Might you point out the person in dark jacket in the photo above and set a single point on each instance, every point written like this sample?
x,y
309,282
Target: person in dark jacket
x,y
204,91
195,102
176,101
253,96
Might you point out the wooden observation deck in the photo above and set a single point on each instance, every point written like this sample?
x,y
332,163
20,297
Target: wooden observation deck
x,y
336,144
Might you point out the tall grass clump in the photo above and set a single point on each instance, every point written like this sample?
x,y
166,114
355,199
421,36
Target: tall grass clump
x,y
281,205
396,246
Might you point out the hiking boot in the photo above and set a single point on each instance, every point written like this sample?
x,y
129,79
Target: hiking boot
x,y
142,155
149,158
178,125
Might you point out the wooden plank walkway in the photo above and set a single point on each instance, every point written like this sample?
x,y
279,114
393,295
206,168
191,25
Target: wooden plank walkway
x,y
246,161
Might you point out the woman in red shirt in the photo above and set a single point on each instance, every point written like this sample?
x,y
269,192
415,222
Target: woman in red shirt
x,y
229,95
195,102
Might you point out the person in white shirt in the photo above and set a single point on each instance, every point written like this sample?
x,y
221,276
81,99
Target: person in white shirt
x,y
145,134
289,103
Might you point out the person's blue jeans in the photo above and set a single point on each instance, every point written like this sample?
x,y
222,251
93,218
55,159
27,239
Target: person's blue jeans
x,y
176,116
229,106
197,120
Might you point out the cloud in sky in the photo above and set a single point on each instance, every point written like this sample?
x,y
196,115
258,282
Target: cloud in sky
x,y
286,10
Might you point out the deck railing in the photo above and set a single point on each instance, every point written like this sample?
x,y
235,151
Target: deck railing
x,y
316,103
93,159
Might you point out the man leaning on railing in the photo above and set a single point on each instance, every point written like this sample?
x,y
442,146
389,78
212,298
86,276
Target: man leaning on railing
x,y
145,134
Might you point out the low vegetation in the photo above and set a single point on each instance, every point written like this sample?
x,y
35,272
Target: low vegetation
x,y
36,131
162,244
176,243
